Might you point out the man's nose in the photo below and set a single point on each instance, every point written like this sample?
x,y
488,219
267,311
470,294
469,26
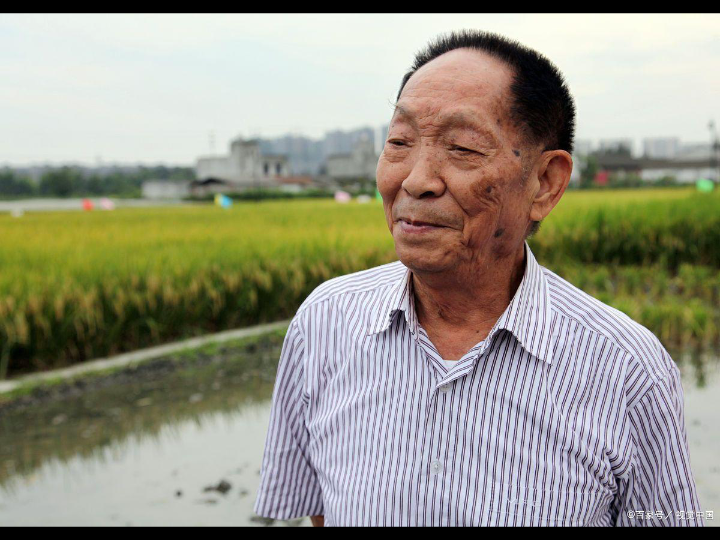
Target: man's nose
x,y
425,178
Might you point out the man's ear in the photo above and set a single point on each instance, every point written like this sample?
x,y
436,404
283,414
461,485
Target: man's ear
x,y
553,174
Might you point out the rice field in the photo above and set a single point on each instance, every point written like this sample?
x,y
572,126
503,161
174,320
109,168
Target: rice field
x,y
81,285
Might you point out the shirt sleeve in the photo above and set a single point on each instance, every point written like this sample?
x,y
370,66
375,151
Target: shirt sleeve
x,y
288,484
659,488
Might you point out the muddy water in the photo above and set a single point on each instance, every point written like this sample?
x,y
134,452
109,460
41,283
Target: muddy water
x,y
163,445
169,445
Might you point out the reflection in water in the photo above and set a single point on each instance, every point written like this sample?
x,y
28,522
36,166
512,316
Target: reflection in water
x,y
696,366
144,447
701,387
168,446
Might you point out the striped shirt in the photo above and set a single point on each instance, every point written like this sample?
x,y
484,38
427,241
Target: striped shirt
x,y
568,413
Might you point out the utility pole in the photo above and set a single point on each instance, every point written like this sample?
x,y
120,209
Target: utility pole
x,y
714,147
714,150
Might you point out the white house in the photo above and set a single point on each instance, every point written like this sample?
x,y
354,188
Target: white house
x,y
360,163
165,189
245,166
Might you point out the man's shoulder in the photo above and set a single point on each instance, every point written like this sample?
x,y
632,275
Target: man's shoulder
x,y
641,346
373,280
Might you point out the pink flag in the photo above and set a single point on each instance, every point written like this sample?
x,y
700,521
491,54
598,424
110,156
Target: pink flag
x,y
107,204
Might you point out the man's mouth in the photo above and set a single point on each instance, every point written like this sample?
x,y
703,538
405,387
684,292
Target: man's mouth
x,y
416,226
418,223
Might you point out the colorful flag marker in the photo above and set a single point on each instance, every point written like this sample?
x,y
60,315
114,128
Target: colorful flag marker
x,y
223,200
342,196
704,185
107,204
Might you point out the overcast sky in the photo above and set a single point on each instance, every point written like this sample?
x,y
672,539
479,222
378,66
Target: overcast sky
x,y
151,88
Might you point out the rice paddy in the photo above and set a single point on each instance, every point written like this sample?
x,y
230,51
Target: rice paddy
x,y
81,285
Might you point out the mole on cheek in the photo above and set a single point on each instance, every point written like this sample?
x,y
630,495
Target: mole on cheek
x,y
499,233
516,152
484,192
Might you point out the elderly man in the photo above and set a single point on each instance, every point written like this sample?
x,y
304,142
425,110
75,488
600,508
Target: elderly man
x,y
466,384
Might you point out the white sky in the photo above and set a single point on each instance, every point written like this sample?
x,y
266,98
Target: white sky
x,y
150,88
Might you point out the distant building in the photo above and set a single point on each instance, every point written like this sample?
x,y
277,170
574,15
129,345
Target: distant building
x,y
165,189
210,186
690,163
343,142
305,155
616,146
582,148
661,147
381,138
361,162
696,152
308,156
295,183
688,173
246,166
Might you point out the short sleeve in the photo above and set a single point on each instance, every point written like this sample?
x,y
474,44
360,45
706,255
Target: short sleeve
x,y
659,488
288,484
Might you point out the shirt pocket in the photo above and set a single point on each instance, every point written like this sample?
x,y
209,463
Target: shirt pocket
x,y
517,505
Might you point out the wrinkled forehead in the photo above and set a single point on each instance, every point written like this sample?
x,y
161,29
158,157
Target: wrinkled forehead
x,y
463,78
451,118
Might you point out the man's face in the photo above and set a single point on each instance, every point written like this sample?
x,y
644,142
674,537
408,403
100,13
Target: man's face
x,y
454,159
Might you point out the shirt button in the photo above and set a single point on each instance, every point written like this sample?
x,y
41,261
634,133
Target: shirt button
x,y
435,467
445,388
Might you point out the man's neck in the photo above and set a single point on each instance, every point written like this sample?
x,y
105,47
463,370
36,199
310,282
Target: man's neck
x,y
470,299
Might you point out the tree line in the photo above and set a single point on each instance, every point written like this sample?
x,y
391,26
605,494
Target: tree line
x,y
70,181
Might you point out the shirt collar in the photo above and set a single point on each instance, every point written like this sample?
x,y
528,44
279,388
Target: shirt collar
x,y
527,317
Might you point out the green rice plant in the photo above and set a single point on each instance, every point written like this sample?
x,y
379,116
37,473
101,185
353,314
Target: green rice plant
x,y
81,285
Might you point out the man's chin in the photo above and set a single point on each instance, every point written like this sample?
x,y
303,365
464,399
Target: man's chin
x,y
422,260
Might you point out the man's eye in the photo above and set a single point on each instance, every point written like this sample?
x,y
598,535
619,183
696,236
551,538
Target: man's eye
x,y
463,149
396,142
